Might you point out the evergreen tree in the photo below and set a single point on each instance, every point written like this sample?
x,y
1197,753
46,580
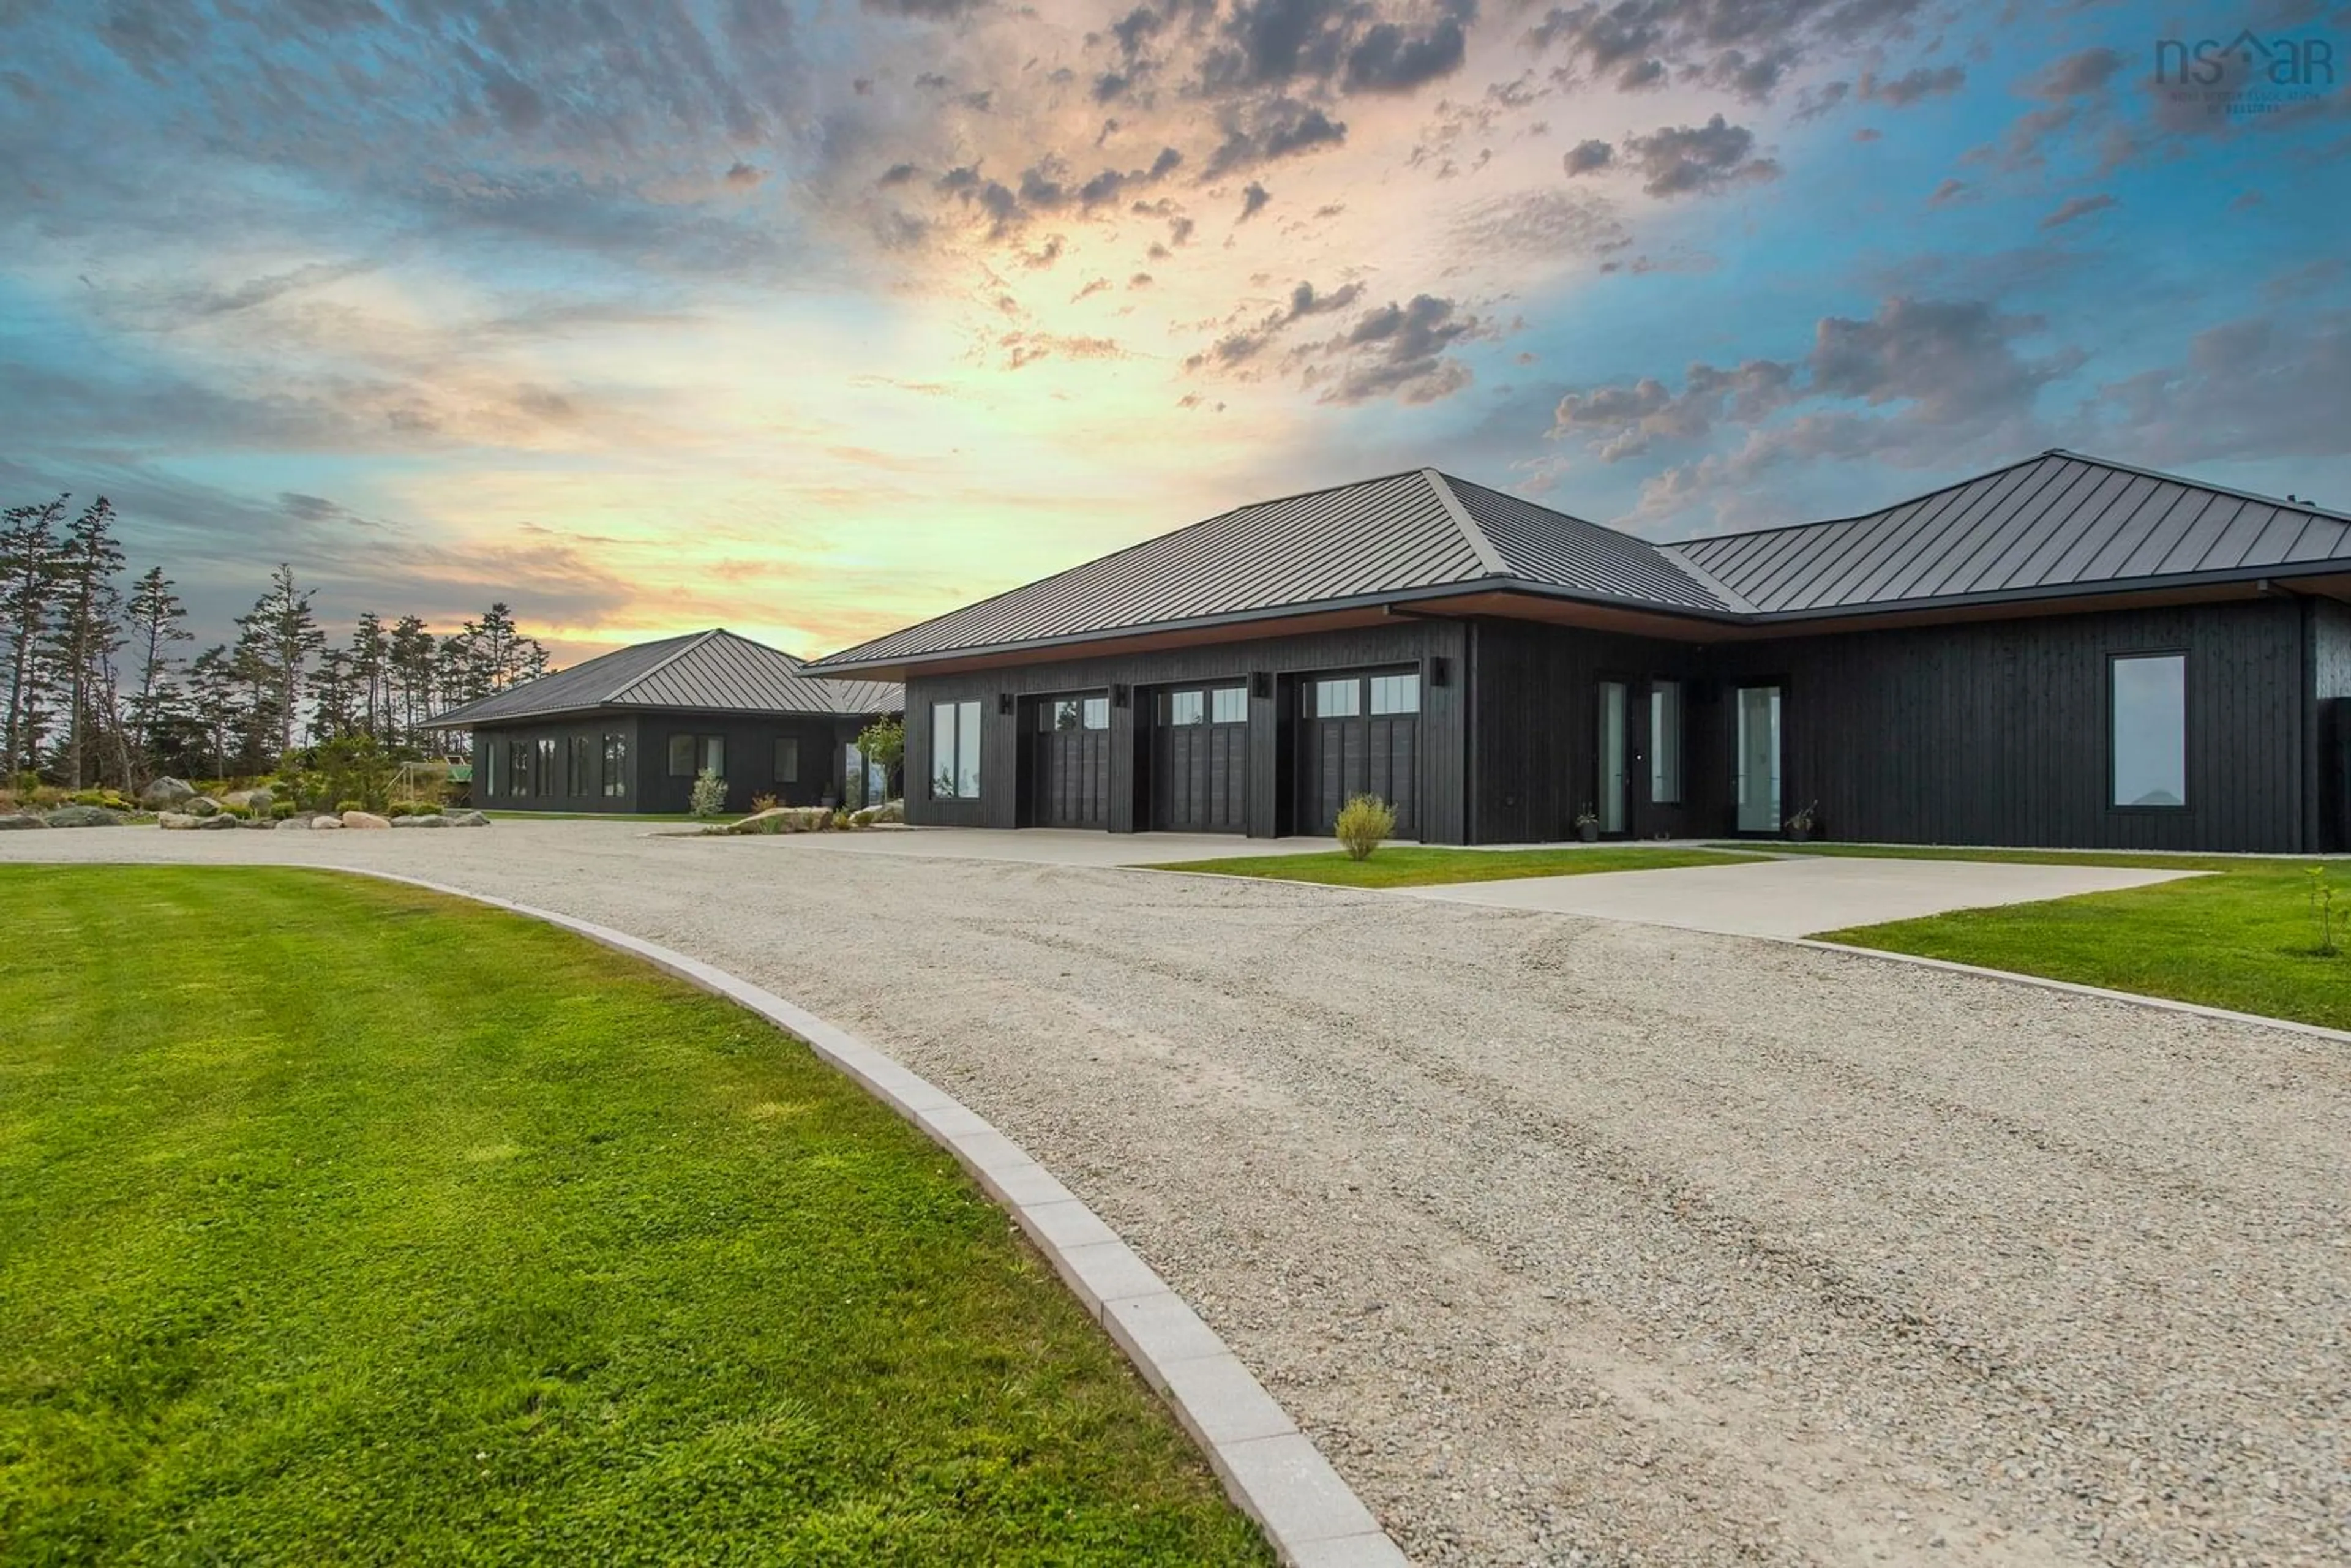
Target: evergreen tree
x,y
278,635
216,704
409,655
371,646
85,634
333,690
155,613
28,573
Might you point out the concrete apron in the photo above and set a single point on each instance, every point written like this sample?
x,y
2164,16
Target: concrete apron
x,y
1797,896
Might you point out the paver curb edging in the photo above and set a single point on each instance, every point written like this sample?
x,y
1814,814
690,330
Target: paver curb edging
x,y
2137,998
1269,1469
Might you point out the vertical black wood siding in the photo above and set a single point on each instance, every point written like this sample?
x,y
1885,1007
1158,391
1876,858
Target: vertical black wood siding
x,y
1406,641
750,760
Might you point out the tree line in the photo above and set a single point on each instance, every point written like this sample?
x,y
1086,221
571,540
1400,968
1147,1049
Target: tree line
x,y
98,689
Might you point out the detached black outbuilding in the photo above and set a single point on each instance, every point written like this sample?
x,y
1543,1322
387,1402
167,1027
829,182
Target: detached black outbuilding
x,y
628,731
2064,651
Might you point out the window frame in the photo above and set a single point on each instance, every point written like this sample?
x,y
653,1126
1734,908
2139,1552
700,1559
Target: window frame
x,y
1665,742
614,771
780,757
1218,697
579,765
2187,735
1389,679
963,725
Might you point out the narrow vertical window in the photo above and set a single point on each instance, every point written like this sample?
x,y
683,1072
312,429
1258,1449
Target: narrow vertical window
x,y
955,751
1666,743
616,766
2148,711
787,760
713,753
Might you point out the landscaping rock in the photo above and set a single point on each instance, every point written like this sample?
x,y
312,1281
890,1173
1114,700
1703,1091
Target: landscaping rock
x,y
189,819
784,819
296,820
255,800
166,792
84,817
365,820
468,820
326,822
201,805
426,819
887,811
21,820
262,823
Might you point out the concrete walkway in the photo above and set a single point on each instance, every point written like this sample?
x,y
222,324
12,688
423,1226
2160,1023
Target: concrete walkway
x,y
1797,896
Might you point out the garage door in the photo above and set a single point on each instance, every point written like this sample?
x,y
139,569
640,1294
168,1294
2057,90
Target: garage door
x,y
1068,769
1199,759
1359,733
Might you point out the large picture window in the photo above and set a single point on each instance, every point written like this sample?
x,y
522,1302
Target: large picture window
x,y
2148,709
580,767
693,754
955,751
787,760
1666,743
519,756
616,766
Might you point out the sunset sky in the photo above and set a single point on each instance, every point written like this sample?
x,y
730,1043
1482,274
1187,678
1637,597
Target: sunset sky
x,y
812,321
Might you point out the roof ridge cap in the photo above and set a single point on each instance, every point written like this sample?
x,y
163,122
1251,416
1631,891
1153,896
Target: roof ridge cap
x,y
1479,545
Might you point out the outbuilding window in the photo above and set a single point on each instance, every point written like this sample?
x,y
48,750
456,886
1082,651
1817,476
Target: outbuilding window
x,y
579,777
787,760
955,751
1665,742
2148,708
616,766
691,754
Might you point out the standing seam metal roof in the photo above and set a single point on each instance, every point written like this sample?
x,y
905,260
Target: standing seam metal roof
x,y
2047,523
714,671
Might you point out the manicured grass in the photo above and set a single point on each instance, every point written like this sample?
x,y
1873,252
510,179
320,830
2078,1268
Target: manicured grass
x,y
2242,937
340,1221
1425,865
2149,860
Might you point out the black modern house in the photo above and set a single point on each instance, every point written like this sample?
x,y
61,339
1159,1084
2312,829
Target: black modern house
x,y
628,731
2064,651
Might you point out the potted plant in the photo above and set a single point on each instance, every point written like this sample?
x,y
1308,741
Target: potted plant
x,y
1804,824
1587,823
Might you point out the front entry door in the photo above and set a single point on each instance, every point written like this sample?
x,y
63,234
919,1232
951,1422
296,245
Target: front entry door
x,y
1756,785
1615,752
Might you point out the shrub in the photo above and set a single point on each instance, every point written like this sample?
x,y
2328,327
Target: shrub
x,y
1362,822
342,806
764,803
281,810
355,766
709,798
840,818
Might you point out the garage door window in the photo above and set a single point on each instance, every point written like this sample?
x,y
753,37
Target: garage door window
x,y
1074,713
1396,693
1337,699
1228,704
1187,708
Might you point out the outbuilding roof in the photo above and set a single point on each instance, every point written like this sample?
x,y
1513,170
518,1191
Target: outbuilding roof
x,y
2059,522
704,672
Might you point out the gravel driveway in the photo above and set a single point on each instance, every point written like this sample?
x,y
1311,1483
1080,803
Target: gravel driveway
x,y
1577,1242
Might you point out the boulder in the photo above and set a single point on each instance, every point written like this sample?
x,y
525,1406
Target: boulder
x,y
423,819
84,817
365,820
296,820
887,811
467,819
222,821
326,822
21,820
257,801
201,805
265,823
164,792
174,821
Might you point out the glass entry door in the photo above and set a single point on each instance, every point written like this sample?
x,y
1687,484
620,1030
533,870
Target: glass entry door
x,y
1759,759
1615,754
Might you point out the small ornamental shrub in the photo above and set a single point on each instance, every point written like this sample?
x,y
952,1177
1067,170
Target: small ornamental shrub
x,y
2321,910
764,803
709,799
342,806
840,818
281,810
1363,821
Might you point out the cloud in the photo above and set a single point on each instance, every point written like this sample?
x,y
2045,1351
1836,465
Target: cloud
x,y
1391,59
1932,378
1691,160
1396,350
1947,193
1253,200
2258,387
2077,207
1912,86
1264,132
1588,155
1745,47
1305,301
1549,224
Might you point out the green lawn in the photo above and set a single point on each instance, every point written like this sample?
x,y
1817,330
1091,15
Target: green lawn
x,y
1425,865
341,1222
2242,937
